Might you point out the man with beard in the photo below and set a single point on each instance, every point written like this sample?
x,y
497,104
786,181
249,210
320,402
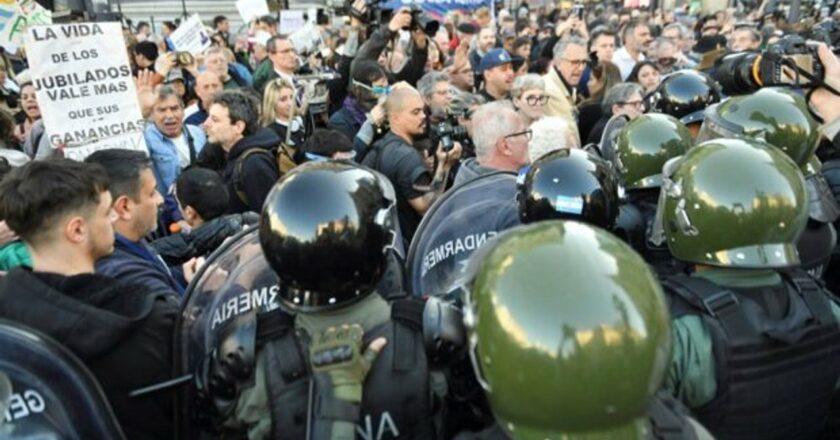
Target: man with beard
x,y
635,38
396,157
122,332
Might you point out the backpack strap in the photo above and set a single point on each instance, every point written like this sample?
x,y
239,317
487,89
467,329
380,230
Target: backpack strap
x,y
715,301
408,315
238,171
278,326
812,293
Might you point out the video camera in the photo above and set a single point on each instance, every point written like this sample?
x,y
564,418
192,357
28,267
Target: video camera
x,y
792,62
373,15
447,132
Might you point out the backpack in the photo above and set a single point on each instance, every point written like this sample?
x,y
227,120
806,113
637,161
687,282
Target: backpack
x,y
282,156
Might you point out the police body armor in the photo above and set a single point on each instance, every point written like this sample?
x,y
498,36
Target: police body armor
x,y
635,219
465,218
232,311
775,376
52,395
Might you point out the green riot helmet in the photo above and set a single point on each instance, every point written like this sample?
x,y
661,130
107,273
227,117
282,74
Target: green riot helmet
x,y
684,94
569,184
775,115
733,203
325,230
569,332
644,145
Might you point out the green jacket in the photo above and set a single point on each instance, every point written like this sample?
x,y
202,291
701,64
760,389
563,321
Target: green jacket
x,y
691,377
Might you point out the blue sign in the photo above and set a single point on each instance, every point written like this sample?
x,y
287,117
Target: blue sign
x,y
438,7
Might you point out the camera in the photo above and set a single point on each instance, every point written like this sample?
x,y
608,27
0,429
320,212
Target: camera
x,y
447,132
422,21
780,64
578,10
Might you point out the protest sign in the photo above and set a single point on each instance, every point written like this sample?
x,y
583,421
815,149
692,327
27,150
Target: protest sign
x,y
191,36
439,8
15,16
251,9
84,88
291,21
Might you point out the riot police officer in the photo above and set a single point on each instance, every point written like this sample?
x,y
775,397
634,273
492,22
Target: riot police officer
x,y
569,184
584,360
781,118
309,368
756,341
685,94
641,149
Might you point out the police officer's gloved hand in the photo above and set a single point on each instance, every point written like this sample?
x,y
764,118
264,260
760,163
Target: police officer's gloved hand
x,y
337,352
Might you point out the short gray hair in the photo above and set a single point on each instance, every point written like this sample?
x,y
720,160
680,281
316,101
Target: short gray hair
x,y
164,92
552,133
463,101
679,27
661,42
493,121
560,47
426,85
618,94
529,81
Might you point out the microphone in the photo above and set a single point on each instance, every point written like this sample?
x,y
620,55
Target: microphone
x,y
318,77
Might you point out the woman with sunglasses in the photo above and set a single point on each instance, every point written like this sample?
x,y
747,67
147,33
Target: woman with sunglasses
x,y
277,110
529,97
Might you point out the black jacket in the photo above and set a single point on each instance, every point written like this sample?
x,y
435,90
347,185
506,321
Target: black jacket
x,y
411,71
256,175
200,242
122,332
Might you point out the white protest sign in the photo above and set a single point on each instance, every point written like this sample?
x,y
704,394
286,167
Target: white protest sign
x,y
191,36
84,88
251,9
291,21
15,16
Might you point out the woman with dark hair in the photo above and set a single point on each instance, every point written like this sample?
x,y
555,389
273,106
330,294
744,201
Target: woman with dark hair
x,y
604,75
31,113
646,74
368,82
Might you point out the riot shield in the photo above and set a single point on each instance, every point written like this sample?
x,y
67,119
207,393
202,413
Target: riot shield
x,y
609,136
455,226
52,395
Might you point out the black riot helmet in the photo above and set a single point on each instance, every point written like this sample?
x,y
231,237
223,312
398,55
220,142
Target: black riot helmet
x,y
569,184
684,95
325,229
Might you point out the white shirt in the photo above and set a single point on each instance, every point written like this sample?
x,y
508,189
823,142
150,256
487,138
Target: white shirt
x,y
625,62
183,149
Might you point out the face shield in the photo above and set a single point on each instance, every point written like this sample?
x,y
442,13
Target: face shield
x,y
822,206
669,189
715,127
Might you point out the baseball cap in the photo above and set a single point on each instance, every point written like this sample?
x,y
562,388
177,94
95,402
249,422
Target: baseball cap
x,y
494,58
467,28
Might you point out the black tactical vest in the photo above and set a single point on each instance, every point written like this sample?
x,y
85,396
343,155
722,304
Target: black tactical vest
x,y
775,376
397,398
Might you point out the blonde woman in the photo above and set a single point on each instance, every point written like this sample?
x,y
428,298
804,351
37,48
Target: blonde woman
x,y
277,110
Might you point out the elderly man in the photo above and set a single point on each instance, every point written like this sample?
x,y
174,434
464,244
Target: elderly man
x,y
744,39
636,38
172,145
551,134
207,84
667,56
284,62
563,76
500,144
436,89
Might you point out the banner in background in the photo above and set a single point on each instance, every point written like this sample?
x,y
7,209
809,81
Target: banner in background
x,y
439,7
15,16
191,36
84,87
251,9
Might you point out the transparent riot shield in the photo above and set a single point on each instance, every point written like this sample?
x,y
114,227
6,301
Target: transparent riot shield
x,y
455,226
610,135
49,393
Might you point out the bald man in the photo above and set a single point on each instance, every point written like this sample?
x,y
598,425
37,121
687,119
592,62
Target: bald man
x,y
207,84
395,156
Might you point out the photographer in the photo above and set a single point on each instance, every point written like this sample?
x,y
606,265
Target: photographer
x,y
413,67
826,103
396,157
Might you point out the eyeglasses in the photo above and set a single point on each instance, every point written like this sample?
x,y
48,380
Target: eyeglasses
x,y
668,61
537,100
576,63
528,134
637,104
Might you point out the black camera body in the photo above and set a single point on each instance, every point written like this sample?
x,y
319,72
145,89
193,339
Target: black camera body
x,y
447,132
419,20
778,65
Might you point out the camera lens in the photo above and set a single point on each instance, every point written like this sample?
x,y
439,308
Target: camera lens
x,y
734,72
